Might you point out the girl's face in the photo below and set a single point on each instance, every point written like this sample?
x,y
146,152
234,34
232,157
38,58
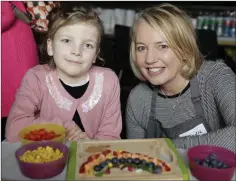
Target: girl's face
x,y
154,58
74,50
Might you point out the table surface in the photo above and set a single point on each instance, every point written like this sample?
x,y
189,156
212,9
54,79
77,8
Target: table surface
x,y
11,170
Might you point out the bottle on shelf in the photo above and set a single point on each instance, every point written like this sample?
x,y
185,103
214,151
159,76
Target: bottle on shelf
x,y
219,24
233,27
206,19
227,22
200,20
212,22
232,30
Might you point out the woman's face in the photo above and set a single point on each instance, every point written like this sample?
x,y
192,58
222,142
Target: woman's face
x,y
155,59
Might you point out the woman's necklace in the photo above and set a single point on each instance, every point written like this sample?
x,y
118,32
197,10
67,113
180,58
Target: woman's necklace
x,y
177,100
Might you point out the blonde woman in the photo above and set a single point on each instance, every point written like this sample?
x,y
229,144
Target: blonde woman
x,y
181,96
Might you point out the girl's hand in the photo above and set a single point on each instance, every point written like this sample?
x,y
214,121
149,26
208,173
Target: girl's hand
x,y
76,134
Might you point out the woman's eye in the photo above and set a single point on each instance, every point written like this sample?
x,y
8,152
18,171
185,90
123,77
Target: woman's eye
x,y
65,40
163,46
140,48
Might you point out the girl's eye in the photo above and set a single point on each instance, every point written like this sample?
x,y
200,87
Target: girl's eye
x,y
140,48
66,40
87,45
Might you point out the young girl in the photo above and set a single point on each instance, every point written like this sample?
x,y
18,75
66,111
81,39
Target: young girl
x,y
181,97
68,89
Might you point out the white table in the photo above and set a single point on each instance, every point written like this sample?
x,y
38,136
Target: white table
x,y
11,170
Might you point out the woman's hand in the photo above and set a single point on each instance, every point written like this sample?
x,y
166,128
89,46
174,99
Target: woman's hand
x,y
76,134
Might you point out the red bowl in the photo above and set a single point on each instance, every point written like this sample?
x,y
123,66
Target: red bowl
x,y
204,173
42,170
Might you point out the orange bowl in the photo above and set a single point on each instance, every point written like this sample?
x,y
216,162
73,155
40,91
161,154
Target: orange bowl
x,y
58,129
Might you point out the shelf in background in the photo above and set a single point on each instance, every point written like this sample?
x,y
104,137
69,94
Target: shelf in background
x,y
225,41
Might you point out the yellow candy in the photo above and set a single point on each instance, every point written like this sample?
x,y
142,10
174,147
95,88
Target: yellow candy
x,y
90,171
110,165
109,156
41,155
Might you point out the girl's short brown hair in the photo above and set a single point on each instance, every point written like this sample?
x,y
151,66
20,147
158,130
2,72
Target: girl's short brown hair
x,y
60,17
177,29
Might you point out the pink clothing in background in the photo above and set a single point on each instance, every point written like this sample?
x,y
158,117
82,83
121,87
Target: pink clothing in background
x,y
19,53
41,91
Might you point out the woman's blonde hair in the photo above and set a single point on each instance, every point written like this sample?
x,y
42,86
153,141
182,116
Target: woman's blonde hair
x,y
60,17
179,33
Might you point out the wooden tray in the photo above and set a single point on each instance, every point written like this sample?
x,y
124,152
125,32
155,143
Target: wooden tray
x,y
158,148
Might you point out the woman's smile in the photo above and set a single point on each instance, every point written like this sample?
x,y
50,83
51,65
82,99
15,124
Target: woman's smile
x,y
156,71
